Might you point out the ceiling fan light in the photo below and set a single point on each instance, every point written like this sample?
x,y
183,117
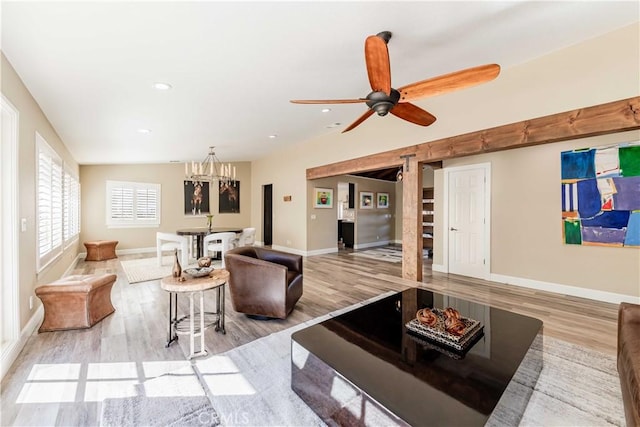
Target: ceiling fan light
x,y
382,108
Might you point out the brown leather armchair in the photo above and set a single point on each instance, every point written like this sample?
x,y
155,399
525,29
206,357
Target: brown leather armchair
x,y
629,360
264,283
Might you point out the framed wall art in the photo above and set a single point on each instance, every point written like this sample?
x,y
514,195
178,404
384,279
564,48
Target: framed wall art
x,y
366,200
229,197
601,196
323,198
383,200
196,198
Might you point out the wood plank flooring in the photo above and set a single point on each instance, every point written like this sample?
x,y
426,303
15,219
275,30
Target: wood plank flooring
x,y
50,382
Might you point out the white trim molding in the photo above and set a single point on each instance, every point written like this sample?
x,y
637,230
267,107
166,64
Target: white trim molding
x,y
9,233
321,251
12,351
290,250
557,288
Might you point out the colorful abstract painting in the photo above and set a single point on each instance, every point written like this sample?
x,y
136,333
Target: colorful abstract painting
x,y
601,196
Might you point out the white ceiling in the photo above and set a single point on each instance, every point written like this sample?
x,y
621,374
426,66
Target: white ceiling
x,y
235,65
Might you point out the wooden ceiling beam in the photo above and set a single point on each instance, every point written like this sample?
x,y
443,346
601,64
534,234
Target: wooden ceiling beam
x,y
612,117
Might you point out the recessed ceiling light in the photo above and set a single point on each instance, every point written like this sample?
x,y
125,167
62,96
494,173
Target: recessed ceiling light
x,y
273,136
144,130
326,110
162,86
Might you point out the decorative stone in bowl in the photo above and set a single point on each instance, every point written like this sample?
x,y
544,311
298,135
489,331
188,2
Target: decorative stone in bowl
x,y
205,261
198,271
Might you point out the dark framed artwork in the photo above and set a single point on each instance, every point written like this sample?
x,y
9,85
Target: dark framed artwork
x,y
366,200
229,197
196,198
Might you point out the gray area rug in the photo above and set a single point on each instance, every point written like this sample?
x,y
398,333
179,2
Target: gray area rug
x,y
251,386
173,399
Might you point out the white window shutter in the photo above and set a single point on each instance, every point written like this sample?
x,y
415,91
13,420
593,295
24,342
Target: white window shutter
x,y
133,204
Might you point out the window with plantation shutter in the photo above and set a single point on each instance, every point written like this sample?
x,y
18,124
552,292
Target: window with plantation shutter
x,y
133,204
50,203
71,199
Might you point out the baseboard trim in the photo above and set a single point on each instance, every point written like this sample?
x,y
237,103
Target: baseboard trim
x,y
11,352
290,250
575,291
73,264
322,251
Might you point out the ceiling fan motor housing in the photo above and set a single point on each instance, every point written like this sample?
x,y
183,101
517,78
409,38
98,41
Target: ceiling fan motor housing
x,y
382,103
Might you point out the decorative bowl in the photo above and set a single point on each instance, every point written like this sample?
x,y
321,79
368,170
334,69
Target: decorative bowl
x,y
205,261
199,271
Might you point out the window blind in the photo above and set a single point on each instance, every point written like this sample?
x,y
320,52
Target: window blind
x,y
50,208
133,204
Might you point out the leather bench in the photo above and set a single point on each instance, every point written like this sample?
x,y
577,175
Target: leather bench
x,y
629,361
76,302
101,250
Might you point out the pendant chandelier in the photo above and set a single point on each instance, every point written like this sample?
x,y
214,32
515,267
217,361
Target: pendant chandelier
x,y
211,169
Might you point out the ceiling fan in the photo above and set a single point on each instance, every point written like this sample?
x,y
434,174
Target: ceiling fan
x,y
384,99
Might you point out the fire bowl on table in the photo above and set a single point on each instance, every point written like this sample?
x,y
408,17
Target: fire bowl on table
x,y
199,271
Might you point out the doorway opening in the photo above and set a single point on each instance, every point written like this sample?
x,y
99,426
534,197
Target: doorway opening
x,y
267,214
346,214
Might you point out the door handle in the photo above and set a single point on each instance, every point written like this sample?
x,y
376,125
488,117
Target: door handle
x,y
453,229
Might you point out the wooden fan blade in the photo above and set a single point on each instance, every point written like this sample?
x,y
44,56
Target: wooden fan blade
x,y
376,56
361,119
449,82
413,114
328,101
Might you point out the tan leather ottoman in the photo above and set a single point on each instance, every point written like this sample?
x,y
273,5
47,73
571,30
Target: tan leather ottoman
x,y
101,250
76,302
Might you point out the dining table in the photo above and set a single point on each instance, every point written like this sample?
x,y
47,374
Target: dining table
x,y
200,232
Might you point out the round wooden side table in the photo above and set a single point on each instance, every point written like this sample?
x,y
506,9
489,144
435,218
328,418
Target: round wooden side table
x,y
198,320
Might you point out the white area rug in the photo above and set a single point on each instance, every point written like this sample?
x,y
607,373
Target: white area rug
x,y
385,253
145,269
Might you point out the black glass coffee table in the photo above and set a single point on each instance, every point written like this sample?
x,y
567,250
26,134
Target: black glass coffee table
x,y
364,367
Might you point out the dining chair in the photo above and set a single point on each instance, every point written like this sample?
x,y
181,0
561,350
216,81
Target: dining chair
x,y
247,237
218,242
170,242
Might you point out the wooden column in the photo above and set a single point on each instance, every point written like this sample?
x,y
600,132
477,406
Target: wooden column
x,y
412,219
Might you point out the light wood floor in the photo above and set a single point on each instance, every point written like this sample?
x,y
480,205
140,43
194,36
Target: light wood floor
x,y
137,331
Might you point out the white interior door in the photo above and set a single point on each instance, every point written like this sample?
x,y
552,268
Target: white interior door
x,y
467,228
